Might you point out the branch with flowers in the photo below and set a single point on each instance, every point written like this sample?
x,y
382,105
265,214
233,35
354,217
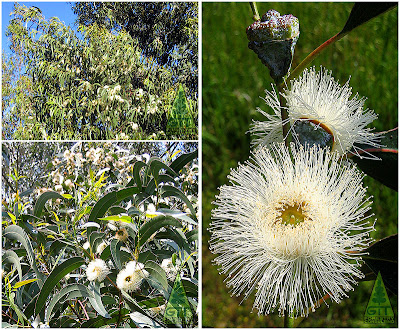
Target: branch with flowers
x,y
111,241
293,225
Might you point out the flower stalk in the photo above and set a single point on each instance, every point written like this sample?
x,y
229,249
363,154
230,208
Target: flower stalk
x,y
310,57
256,15
288,321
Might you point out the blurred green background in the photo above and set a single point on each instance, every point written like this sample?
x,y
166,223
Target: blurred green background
x,y
234,79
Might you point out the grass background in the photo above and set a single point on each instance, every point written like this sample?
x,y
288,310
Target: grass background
x,y
234,79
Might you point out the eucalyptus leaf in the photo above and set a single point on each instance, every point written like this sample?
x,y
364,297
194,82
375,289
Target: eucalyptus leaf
x,y
383,257
182,160
384,168
96,299
16,232
157,272
43,198
12,258
78,288
154,224
53,279
362,12
101,207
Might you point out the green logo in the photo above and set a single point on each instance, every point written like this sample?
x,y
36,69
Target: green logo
x,y
178,309
180,119
379,309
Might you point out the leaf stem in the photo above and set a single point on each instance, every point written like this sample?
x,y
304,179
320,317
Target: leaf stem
x,y
112,283
253,6
296,72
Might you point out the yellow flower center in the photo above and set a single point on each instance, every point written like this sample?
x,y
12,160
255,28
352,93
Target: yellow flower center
x,y
291,215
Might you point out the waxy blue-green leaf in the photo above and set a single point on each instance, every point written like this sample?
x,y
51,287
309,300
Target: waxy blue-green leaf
x,y
156,165
167,191
101,207
43,198
79,290
157,273
16,232
178,215
136,174
96,300
115,248
95,239
193,235
134,305
162,178
154,224
55,276
143,321
10,257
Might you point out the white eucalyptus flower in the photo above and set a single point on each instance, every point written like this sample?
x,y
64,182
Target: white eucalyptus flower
x,y
97,270
130,278
318,99
291,231
69,183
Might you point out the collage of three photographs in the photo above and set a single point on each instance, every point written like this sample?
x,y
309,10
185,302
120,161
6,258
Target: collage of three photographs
x,y
199,164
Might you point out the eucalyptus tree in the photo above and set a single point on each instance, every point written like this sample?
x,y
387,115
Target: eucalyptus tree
x,y
100,86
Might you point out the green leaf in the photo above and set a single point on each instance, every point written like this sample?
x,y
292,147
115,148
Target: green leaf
x,y
96,301
16,232
156,166
122,218
136,174
192,235
182,160
362,12
154,224
101,207
37,211
383,257
134,305
95,239
22,283
167,191
10,257
55,276
178,215
384,170
115,248
79,290
157,273
143,321
21,316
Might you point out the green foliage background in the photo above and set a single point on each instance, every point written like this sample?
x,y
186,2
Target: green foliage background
x,y
234,81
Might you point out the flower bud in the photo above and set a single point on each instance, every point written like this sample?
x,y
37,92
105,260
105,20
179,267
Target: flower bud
x,y
273,39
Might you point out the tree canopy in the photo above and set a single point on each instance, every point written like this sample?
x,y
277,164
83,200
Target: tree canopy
x,y
102,86
166,31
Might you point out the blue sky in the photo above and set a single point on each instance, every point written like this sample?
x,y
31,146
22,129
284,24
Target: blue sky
x,y
49,9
